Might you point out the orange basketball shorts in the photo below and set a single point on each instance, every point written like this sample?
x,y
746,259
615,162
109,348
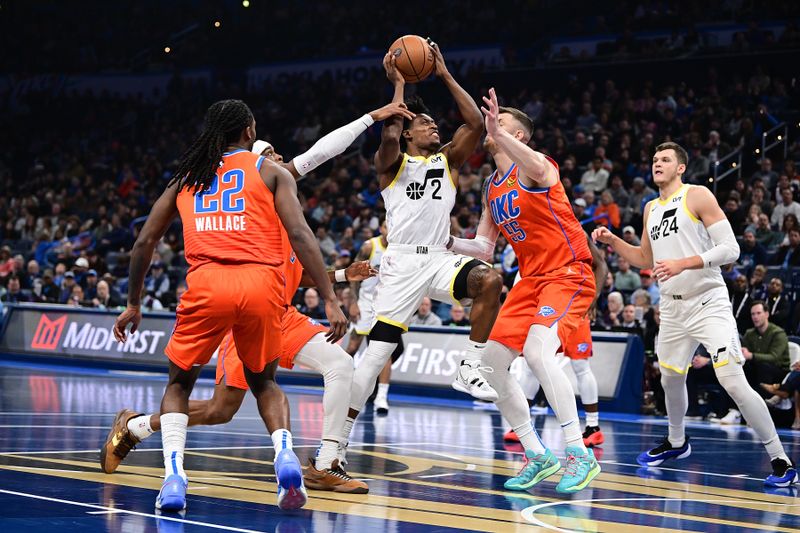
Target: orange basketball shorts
x,y
247,300
297,329
579,344
561,297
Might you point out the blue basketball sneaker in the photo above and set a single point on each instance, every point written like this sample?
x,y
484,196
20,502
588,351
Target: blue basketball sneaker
x,y
783,474
172,496
536,468
580,470
291,492
665,451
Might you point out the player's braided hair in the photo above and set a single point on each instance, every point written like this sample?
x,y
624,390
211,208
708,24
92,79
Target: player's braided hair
x,y
223,125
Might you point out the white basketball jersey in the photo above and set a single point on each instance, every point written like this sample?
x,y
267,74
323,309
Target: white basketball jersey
x,y
367,287
675,234
419,201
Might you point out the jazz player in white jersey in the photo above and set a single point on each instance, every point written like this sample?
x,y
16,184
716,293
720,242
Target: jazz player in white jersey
x,y
364,311
419,192
687,238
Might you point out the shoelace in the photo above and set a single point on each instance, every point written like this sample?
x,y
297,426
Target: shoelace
x,y
525,462
478,369
340,473
126,444
572,465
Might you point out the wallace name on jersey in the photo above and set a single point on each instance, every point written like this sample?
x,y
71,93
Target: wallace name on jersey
x,y
220,223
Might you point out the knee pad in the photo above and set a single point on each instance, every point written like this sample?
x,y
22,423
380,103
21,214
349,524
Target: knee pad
x,y
541,342
386,333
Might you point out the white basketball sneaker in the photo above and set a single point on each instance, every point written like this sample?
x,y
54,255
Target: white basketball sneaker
x,y
469,379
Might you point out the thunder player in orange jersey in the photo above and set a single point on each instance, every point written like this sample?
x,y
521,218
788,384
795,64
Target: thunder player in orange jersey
x,y
526,201
578,350
231,203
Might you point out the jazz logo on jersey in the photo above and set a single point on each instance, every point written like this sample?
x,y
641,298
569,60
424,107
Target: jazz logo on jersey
x,y
668,225
504,210
546,311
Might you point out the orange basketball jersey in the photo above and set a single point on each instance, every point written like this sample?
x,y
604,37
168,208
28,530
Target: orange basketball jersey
x,y
234,220
292,268
538,222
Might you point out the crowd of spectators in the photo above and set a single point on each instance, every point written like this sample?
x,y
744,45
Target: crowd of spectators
x,y
73,194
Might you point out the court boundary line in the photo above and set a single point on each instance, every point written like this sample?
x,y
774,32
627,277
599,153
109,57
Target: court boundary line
x,y
127,511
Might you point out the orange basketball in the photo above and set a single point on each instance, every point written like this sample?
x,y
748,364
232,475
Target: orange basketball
x,y
414,57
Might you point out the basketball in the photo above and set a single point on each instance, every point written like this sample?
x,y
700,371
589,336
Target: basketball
x,y
414,57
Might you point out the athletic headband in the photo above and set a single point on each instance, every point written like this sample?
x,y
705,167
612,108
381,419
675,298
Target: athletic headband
x,y
260,146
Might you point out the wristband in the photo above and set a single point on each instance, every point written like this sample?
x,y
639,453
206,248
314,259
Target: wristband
x,y
340,276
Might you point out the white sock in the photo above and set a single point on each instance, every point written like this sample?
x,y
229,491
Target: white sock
x,y
755,411
383,390
281,440
593,419
173,442
475,351
677,400
529,438
326,453
540,350
347,429
140,427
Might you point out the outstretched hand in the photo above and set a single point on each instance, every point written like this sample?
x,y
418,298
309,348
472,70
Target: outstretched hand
x,y
390,110
390,66
492,111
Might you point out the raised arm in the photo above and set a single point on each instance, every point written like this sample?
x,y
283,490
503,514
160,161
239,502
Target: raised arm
x,y
387,159
339,139
161,216
703,206
638,256
466,138
303,242
537,171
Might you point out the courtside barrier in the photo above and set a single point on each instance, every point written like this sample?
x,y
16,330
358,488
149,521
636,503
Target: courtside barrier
x,y
432,355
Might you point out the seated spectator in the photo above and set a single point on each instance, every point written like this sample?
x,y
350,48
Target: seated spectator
x,y
66,287
758,283
50,291
789,255
608,207
591,203
790,386
741,303
618,192
766,174
698,170
629,236
458,317
150,302
777,303
14,293
312,305
787,206
157,283
758,196
579,208
629,317
80,268
105,299
612,317
764,234
765,348
76,298
424,315
90,284
625,279
646,276
640,195
596,177
31,273
7,264
789,222
751,253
